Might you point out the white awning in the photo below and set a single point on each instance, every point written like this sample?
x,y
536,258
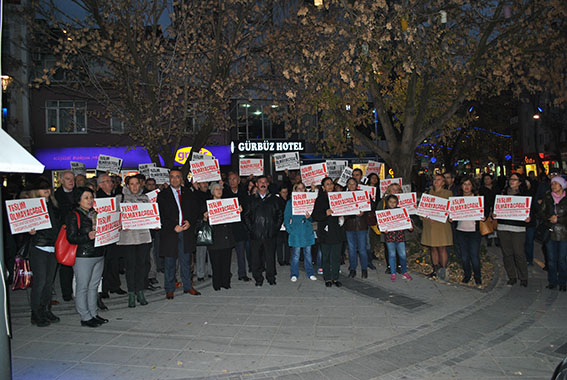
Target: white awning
x,y
14,158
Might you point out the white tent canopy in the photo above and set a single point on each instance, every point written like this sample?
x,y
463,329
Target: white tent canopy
x,y
14,158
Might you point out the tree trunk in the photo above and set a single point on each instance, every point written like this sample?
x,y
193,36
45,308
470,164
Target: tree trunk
x,y
403,166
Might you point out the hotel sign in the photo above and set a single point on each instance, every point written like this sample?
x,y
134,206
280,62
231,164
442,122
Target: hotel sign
x,y
267,146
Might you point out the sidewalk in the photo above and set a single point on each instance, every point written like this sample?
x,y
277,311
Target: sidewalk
x,y
372,328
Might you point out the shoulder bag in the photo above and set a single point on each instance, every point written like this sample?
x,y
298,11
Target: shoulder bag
x,y
65,252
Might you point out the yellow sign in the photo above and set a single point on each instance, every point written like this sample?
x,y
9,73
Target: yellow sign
x,y
183,153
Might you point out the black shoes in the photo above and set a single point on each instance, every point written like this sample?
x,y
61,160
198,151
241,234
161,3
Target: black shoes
x,y
511,282
432,275
524,283
563,288
328,284
38,319
67,298
259,283
244,278
388,271
118,291
364,274
200,279
551,286
103,295
101,304
153,281
352,273
100,320
465,280
273,282
52,318
152,288
338,284
91,323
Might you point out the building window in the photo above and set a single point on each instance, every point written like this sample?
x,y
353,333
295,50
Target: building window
x,y
259,120
116,125
66,116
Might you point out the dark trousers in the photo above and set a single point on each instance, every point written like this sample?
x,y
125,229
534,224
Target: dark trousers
x,y
282,247
220,264
136,257
469,247
556,264
263,256
66,281
331,259
514,256
111,271
240,257
159,260
43,265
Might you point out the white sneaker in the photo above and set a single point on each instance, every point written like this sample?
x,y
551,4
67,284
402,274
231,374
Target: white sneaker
x,y
313,278
293,279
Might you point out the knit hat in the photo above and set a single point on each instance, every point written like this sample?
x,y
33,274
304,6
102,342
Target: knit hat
x,y
560,180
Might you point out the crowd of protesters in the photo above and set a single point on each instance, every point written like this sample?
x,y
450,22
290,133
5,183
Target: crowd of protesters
x,y
269,233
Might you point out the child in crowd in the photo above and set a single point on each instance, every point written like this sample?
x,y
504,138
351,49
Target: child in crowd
x,y
396,242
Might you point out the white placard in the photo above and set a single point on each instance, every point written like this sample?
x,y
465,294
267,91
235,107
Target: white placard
x,y
200,156
406,188
78,168
336,167
343,203
432,207
144,168
152,195
384,183
466,208
373,167
25,215
223,211
345,175
109,164
512,207
251,166
395,219
363,200
289,161
302,203
140,216
107,228
313,173
205,170
161,175
105,205
371,190
408,201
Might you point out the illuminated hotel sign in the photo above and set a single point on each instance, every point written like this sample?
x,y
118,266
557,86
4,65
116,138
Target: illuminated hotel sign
x,y
267,146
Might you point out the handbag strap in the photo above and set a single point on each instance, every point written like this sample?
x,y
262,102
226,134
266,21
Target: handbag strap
x,y
78,219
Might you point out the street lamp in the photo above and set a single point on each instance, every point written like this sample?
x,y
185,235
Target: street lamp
x,y
6,81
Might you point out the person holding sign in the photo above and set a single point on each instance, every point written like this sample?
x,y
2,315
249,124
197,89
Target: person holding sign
x,y
396,243
90,261
554,214
512,235
330,233
436,235
356,227
42,259
135,246
300,230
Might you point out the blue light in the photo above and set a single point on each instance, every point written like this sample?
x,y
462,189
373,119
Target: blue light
x,y
508,157
456,163
471,109
433,160
5,111
539,109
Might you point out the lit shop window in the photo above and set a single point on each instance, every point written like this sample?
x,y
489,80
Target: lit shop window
x,y
66,116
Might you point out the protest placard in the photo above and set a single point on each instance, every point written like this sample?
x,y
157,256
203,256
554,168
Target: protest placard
x,y
373,167
109,164
313,173
251,166
371,190
395,219
345,175
200,156
105,205
336,167
145,168
384,183
25,215
223,211
408,201
363,200
152,195
78,168
161,175
432,207
343,203
205,170
406,188
139,216
466,208
512,207
107,228
289,161
302,203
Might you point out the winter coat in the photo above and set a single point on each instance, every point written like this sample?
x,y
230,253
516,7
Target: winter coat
x,y
47,237
80,236
549,208
133,237
328,229
238,229
222,237
299,227
263,217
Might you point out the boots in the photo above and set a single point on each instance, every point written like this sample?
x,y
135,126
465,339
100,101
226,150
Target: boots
x,y
131,299
141,298
38,319
100,304
49,315
434,273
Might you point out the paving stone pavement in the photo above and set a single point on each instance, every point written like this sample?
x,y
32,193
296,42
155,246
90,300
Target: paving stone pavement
x,y
368,329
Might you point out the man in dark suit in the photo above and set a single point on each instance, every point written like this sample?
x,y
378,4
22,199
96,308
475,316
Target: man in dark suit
x,y
179,214
64,197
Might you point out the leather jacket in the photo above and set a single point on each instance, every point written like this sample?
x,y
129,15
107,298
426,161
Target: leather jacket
x,y
356,222
47,237
80,236
329,230
263,217
549,208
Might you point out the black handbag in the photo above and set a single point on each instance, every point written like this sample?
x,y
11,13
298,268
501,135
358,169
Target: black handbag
x,y
204,234
542,233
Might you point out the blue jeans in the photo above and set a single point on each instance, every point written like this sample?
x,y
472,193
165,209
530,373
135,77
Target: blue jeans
x,y
357,241
307,261
557,262
529,244
184,267
319,257
469,247
400,247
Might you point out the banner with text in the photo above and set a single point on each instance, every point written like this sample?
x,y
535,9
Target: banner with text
x,y
25,215
205,170
107,228
223,211
345,175
371,190
145,168
373,167
289,161
152,195
251,166
139,216
466,208
343,203
313,173
105,205
200,156
512,207
408,201
161,175
363,200
109,164
395,219
78,168
302,203
336,167
432,207
384,183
